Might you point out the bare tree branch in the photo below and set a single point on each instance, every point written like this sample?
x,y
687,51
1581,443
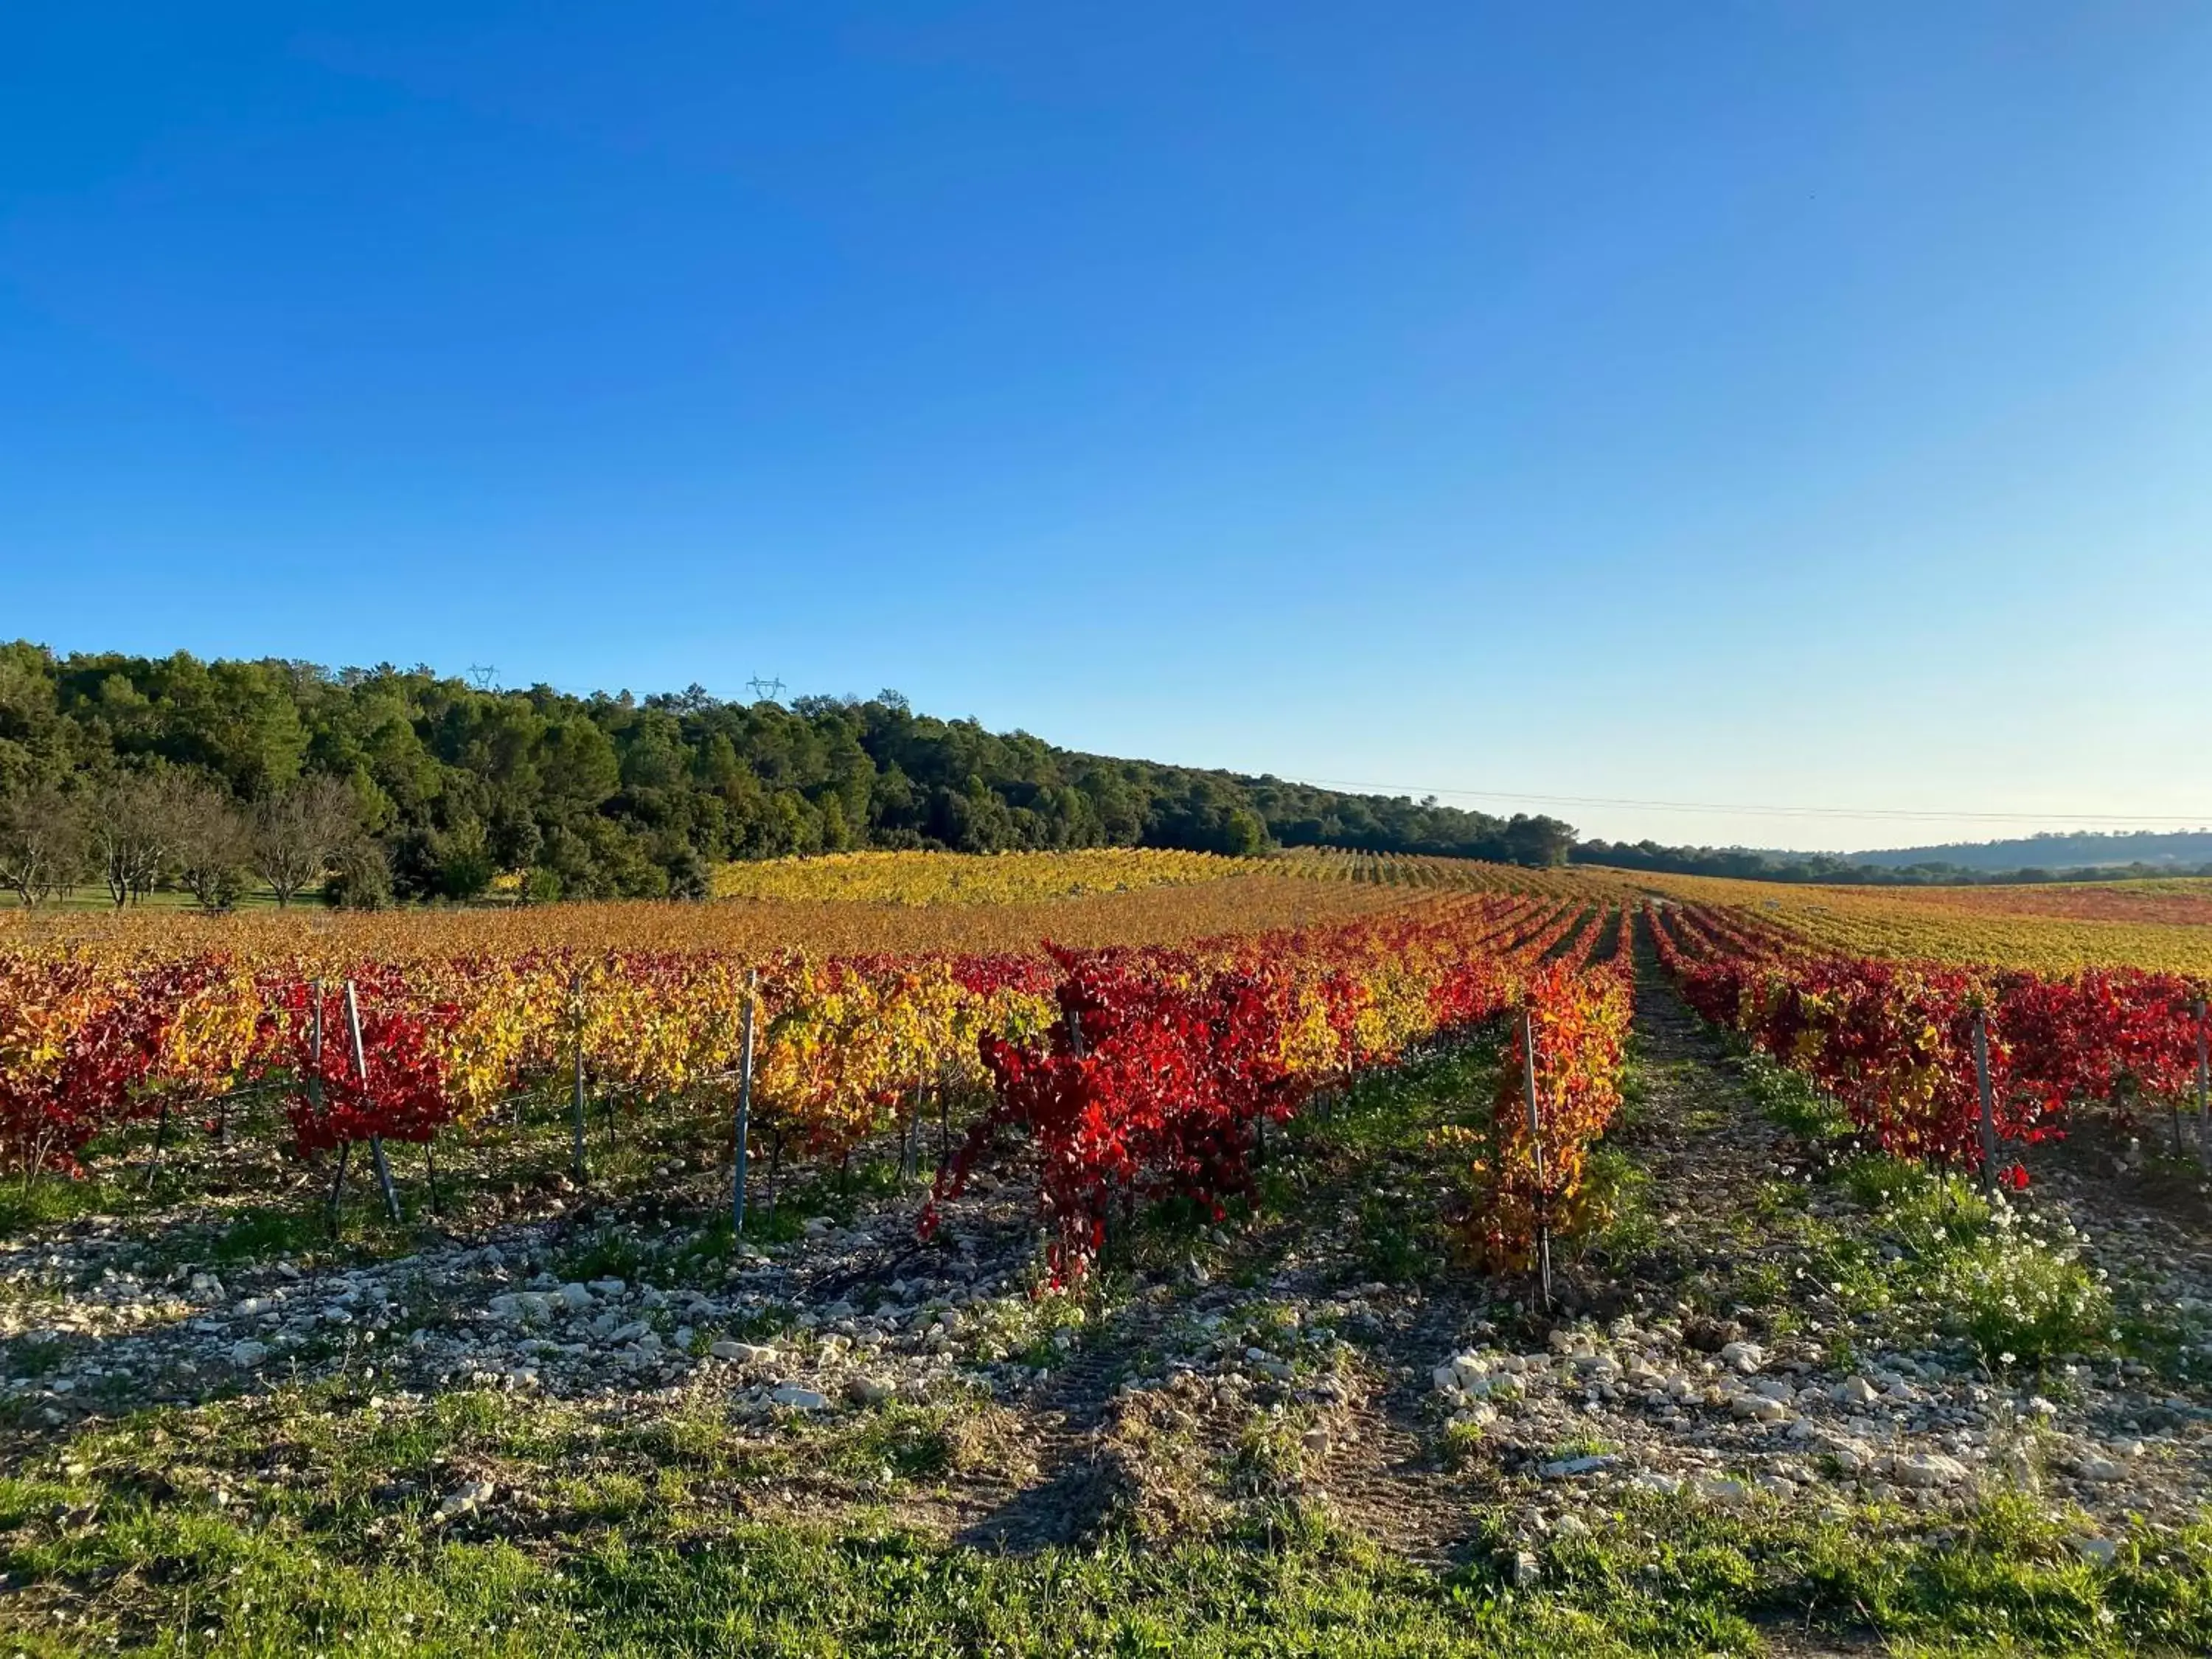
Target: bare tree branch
x,y
296,830
210,843
134,827
42,843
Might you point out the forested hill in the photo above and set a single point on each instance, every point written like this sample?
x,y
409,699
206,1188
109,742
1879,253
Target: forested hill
x,y
445,785
2057,851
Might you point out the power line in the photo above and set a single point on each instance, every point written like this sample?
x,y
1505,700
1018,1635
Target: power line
x,y
1769,810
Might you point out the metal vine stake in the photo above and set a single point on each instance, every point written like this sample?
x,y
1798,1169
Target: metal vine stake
x,y
1536,1146
1988,1124
360,1072
576,1019
742,1130
2204,1091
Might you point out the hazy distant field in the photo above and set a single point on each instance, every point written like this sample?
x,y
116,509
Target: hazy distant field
x,y
2165,925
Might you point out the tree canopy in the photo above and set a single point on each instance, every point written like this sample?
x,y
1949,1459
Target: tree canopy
x,y
614,796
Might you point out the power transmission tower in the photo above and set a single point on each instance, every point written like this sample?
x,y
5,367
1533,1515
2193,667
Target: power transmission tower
x,y
481,674
768,690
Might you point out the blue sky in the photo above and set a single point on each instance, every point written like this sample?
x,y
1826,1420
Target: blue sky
x,y
1786,404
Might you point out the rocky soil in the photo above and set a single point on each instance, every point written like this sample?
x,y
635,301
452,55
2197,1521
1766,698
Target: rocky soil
x,y
1702,1345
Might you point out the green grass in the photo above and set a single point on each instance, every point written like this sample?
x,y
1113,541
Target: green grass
x,y
1365,1153
27,1202
306,1524
1373,1147
1933,1255
1268,1455
261,1234
1388,1113
900,1444
1581,1446
1937,1253
1788,1097
2019,1302
96,898
1459,1446
1392,1247
33,1356
251,1201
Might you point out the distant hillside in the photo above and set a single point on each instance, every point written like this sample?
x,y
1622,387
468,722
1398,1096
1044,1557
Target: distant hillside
x,y
421,786
2038,858
2052,850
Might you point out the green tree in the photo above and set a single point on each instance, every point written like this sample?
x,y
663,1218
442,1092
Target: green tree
x,y
1243,834
579,769
465,866
612,795
361,876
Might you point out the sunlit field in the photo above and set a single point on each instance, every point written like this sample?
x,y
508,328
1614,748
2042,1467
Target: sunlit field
x,y
2162,925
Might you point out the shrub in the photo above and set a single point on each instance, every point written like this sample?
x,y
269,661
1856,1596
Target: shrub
x,y
2020,1301
360,878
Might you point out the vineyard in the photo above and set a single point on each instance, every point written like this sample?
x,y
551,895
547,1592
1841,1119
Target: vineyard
x,y
1137,1070
993,878
899,1242
2163,926
1965,1033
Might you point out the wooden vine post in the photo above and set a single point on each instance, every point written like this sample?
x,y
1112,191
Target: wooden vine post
x,y
430,1165
742,1130
361,1075
315,1055
1988,1103
2204,1091
1536,1147
160,1139
576,1019
315,1095
1081,1050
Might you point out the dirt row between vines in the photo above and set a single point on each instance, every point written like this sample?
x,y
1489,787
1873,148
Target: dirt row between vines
x,y
1212,1381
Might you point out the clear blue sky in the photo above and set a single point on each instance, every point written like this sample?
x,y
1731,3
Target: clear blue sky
x,y
1784,404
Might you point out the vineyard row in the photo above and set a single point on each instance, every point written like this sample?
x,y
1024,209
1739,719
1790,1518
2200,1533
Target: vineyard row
x,y
1138,1072
1937,1061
